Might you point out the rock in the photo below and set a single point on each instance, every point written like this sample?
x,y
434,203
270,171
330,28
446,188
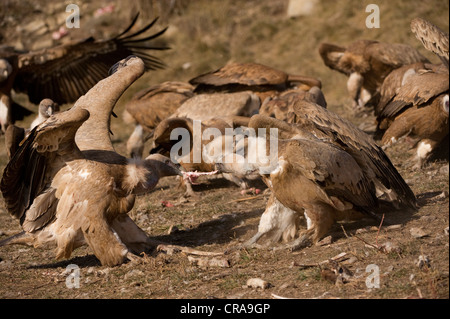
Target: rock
x,y
258,283
418,232
390,247
297,8
209,262
133,273
446,230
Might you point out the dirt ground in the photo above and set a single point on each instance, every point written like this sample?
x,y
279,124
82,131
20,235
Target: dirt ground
x,y
405,257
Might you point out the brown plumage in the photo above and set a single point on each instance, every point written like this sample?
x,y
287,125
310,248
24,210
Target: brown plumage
x,y
65,72
15,134
281,106
432,38
367,63
67,186
415,99
263,80
170,143
205,106
326,168
150,106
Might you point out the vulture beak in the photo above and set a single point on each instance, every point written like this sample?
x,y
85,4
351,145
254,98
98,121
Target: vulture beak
x,y
120,65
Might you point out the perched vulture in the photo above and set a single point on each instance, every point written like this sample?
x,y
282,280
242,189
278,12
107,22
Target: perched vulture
x,y
415,98
261,79
150,106
184,140
367,63
15,134
46,109
65,72
68,186
281,106
205,106
324,168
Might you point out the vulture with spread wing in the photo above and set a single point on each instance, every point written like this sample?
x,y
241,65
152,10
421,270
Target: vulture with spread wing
x,y
63,73
68,186
367,63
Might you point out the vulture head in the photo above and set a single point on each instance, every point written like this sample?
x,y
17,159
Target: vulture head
x,y
5,70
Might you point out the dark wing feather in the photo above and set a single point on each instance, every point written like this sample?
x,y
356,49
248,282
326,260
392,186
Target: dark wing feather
x,y
418,90
31,169
358,144
66,72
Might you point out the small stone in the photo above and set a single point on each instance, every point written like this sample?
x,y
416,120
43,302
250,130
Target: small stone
x,y
423,261
417,232
258,283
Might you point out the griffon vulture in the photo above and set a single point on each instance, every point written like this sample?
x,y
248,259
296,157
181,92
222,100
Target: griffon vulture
x,y
324,168
367,63
149,107
65,72
168,141
15,134
68,186
261,79
415,99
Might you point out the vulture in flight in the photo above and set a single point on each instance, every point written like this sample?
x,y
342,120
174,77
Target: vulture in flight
x,y
367,63
67,185
415,98
261,79
325,169
65,72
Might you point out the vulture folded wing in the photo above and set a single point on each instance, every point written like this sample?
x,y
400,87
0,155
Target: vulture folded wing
x,y
432,38
332,169
418,90
242,73
358,144
40,156
394,54
66,72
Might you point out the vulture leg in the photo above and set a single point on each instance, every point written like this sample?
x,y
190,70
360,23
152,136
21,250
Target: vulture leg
x,y
130,234
319,219
424,148
354,86
135,143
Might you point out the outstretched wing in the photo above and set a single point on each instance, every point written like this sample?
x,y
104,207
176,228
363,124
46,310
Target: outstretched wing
x,y
432,38
38,159
66,72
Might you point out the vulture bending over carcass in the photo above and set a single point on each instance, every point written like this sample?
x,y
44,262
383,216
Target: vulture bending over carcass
x,y
323,168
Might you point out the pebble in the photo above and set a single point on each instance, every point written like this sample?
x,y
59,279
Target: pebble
x,y
257,283
417,232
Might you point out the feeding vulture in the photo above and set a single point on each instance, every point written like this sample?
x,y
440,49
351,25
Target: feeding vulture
x,y
65,72
280,107
324,168
149,107
367,63
415,98
68,186
188,149
263,80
